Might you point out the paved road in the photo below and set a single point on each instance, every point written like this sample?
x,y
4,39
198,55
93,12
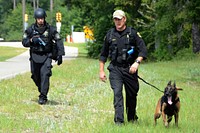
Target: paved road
x,y
20,64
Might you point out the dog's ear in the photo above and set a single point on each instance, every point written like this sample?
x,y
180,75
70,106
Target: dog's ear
x,y
174,85
169,83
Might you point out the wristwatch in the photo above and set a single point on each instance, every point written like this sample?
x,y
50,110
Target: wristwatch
x,y
137,61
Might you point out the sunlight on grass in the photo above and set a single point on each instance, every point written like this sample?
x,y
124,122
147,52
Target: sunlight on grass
x,y
80,102
9,52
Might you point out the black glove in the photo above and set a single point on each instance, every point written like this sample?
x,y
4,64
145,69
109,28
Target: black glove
x,y
59,59
35,40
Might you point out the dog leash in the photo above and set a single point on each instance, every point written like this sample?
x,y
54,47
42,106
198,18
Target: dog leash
x,y
149,84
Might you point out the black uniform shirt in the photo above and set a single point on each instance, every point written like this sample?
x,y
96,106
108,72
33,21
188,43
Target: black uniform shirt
x,y
121,40
53,35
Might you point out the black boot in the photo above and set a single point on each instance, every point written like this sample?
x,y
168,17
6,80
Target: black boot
x,y
42,100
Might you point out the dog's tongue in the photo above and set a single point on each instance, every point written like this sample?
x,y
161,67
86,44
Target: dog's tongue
x,y
169,100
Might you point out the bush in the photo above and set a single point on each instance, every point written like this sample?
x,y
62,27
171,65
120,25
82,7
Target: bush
x,y
93,49
185,54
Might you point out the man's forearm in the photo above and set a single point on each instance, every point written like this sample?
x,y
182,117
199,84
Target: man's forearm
x,y
139,59
101,66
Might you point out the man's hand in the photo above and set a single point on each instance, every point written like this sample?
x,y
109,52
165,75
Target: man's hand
x,y
134,68
35,40
102,76
59,60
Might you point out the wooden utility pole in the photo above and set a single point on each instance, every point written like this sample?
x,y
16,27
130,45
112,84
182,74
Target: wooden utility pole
x,y
14,4
51,9
34,7
37,3
23,14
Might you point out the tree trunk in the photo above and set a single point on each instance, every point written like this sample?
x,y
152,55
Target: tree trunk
x,y
195,37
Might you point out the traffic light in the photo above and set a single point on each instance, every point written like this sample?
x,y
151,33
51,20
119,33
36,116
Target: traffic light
x,y
26,17
58,17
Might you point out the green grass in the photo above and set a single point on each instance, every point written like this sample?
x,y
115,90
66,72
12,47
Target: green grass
x,y
80,102
9,52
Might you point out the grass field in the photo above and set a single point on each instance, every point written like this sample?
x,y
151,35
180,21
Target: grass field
x,y
80,102
9,52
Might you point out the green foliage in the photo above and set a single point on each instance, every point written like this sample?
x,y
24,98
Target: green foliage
x,y
5,10
193,9
185,54
173,30
13,25
93,49
72,17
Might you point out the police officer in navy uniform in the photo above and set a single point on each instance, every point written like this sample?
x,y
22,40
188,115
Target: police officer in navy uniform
x,y
126,50
42,39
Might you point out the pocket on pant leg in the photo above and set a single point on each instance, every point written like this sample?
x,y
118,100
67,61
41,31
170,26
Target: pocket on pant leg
x,y
110,67
49,73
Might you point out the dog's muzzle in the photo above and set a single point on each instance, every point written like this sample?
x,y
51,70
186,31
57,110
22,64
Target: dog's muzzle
x,y
169,100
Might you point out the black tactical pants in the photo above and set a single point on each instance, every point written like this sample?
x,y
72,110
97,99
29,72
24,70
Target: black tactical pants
x,y
41,73
118,77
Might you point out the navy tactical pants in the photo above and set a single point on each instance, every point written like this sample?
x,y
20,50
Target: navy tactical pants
x,y
118,77
41,73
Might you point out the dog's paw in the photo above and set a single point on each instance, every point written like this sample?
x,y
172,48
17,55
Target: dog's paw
x,y
166,124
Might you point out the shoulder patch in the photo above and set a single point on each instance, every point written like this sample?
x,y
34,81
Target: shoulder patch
x,y
57,36
24,35
104,38
139,34
46,33
113,39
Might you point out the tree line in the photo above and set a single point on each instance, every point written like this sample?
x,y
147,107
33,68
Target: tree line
x,y
168,27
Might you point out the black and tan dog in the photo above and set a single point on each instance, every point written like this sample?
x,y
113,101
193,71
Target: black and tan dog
x,y
168,105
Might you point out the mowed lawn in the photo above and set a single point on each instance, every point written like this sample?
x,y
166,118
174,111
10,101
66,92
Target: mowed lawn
x,y
80,102
9,52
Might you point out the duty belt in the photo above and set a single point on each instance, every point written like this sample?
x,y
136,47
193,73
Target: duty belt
x,y
120,64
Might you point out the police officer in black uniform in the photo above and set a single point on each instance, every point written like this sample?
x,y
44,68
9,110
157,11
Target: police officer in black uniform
x,y
43,40
126,49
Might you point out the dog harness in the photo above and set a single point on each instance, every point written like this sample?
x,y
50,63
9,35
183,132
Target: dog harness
x,y
169,110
